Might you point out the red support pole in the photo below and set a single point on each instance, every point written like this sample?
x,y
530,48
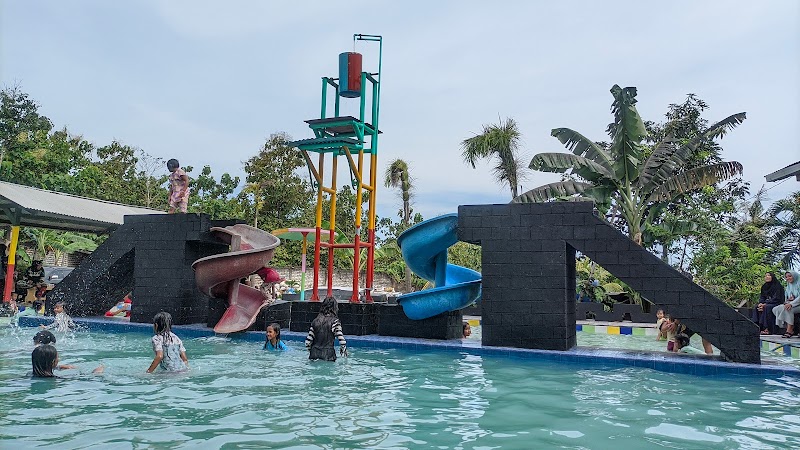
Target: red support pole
x,y
9,286
370,265
356,255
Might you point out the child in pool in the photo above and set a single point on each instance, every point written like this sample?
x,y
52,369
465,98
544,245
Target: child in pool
x,y
274,342
670,329
62,322
169,350
682,345
466,330
18,311
45,337
324,328
44,359
662,334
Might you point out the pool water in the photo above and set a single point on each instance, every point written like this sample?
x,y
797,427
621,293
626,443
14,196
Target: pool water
x,y
649,343
238,396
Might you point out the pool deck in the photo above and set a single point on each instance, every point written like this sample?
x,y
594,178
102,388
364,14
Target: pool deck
x,y
700,365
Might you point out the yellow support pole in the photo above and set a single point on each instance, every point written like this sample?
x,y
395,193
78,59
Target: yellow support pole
x,y
332,224
373,181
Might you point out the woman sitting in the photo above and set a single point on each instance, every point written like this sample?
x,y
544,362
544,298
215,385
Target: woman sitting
x,y
771,296
784,314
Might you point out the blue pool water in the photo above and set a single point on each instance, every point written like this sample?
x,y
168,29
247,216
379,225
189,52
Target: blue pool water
x,y
238,396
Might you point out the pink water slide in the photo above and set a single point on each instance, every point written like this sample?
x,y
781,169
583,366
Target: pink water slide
x,y
218,275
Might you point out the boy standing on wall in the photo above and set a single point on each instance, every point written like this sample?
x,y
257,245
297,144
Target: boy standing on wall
x,y
178,187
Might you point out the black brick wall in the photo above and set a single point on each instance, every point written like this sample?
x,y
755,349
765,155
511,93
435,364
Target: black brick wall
x,y
152,256
394,322
529,267
358,319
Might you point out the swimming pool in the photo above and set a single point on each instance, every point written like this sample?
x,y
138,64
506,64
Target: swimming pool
x,y
237,396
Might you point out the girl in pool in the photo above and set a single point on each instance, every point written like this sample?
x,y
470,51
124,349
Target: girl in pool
x,y
45,337
44,359
324,328
274,342
169,350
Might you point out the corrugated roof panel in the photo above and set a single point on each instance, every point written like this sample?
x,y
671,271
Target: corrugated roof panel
x,y
34,200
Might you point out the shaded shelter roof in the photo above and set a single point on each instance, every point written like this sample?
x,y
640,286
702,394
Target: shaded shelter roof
x,y
786,172
32,207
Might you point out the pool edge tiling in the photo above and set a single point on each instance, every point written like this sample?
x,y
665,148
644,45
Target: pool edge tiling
x,y
583,356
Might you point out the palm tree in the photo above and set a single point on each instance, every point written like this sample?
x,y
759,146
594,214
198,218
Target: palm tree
x,y
397,177
634,182
255,189
501,141
784,222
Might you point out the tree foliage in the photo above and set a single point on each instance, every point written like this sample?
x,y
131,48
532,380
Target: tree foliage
x,y
397,176
783,222
633,182
502,143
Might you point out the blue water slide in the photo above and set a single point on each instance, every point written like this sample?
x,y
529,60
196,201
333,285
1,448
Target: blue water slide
x,y
424,247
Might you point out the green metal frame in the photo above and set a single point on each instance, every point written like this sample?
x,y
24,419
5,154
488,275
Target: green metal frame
x,y
347,136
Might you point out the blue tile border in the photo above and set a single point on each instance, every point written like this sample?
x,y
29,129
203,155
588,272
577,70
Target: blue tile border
x,y
594,357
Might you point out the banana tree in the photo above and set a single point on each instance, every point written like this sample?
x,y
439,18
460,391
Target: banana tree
x,y
632,181
56,242
784,222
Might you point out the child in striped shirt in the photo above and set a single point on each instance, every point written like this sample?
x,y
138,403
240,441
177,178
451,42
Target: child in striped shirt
x,y
324,329
62,322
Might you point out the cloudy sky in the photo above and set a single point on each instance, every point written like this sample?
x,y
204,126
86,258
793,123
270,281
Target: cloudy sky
x,y
207,82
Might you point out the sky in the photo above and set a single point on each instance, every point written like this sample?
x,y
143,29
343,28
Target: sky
x,y
207,82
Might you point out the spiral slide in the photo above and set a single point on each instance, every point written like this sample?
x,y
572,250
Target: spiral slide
x,y
218,275
424,247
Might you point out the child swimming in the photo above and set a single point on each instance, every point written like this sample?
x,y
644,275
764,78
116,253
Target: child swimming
x,y
274,341
169,350
44,359
45,337
682,345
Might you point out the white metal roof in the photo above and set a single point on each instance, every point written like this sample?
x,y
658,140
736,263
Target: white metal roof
x,y
48,209
786,172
